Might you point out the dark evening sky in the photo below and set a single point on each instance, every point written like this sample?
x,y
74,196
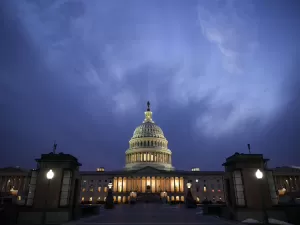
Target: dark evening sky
x,y
218,74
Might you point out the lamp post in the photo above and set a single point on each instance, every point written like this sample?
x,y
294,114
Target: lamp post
x,y
259,175
189,201
49,176
109,203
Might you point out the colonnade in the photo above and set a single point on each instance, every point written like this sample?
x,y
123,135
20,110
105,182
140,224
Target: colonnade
x,y
149,143
148,157
148,184
13,182
290,183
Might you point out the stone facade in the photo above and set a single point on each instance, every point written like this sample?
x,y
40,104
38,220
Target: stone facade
x,y
171,184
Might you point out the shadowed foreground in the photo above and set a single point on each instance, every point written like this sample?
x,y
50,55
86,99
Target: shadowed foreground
x,y
151,214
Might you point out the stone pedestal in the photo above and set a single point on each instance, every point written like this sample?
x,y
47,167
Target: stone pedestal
x,y
53,200
247,196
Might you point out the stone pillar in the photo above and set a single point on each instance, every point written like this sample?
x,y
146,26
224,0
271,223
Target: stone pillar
x,y
246,193
56,200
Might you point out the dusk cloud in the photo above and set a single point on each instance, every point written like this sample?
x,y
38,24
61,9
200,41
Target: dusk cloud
x,y
215,64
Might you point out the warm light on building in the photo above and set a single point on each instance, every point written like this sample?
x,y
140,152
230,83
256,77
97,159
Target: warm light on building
x,y
281,191
195,169
100,169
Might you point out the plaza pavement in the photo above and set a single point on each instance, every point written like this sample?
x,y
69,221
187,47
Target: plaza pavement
x,y
151,214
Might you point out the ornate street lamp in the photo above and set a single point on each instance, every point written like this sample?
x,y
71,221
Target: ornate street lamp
x,y
188,185
109,203
189,201
259,175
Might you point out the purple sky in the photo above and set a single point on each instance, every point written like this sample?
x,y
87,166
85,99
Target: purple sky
x,y
218,74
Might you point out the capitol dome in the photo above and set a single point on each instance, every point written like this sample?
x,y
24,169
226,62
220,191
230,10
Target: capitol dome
x,y
148,146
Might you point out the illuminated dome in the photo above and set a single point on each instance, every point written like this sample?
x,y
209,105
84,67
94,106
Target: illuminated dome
x,y
148,146
148,129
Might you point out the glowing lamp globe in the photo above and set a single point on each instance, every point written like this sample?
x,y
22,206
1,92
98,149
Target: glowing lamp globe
x,y
189,185
109,185
50,175
259,174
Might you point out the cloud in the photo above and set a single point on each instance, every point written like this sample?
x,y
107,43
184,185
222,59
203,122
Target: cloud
x,y
229,25
99,49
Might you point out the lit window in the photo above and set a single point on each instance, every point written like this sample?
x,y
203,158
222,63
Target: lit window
x,y
204,188
91,199
19,198
104,198
105,189
212,190
83,189
98,199
219,190
197,180
91,189
99,189
82,199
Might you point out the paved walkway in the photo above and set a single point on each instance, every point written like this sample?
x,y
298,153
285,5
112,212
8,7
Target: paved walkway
x,y
151,214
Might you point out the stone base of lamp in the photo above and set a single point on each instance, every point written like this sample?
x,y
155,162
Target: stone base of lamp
x,y
190,201
109,203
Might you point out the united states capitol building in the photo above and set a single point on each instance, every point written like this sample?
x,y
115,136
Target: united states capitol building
x,y
149,174
149,169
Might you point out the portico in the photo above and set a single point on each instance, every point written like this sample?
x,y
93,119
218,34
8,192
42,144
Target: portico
x,y
152,184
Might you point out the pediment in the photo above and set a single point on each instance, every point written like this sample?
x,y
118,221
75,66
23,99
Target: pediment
x,y
148,170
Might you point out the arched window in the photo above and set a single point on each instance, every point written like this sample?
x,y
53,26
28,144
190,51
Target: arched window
x,y
148,143
144,143
151,143
138,144
155,144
